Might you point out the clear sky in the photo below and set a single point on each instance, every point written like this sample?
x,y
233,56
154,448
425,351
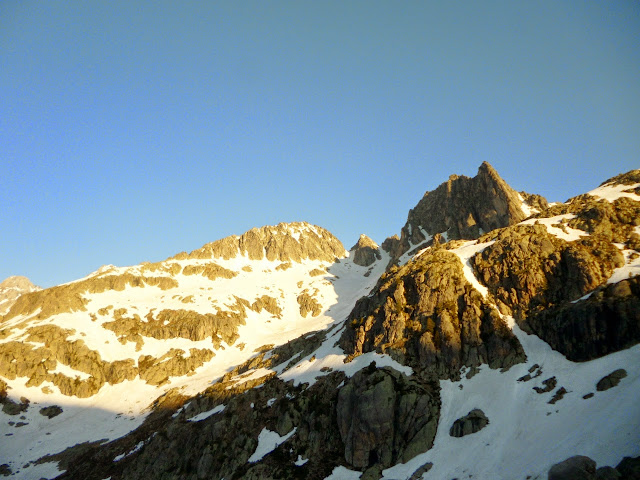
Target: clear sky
x,y
131,130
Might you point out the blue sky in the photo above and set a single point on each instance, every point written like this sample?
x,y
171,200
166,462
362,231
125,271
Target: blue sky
x,y
130,131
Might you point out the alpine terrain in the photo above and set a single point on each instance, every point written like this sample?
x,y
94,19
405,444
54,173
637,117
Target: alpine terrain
x,y
497,337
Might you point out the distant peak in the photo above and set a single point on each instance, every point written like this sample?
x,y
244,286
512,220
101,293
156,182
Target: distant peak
x,y
18,282
294,241
365,251
365,241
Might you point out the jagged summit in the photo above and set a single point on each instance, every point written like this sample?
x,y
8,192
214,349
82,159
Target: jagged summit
x,y
294,241
463,208
365,251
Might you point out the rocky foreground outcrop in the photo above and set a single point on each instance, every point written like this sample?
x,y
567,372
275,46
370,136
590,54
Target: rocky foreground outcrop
x,y
558,289
581,467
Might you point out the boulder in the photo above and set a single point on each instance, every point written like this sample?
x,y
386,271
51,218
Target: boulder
x,y
574,468
385,418
611,380
473,422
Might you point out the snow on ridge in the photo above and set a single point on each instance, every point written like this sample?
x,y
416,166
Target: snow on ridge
x,y
557,226
631,268
611,192
267,443
405,257
343,473
131,452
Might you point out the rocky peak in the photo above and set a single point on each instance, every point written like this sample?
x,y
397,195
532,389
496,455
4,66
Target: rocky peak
x,y
365,251
11,288
294,241
461,208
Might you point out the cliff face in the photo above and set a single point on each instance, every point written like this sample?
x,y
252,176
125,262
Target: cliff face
x,y
463,208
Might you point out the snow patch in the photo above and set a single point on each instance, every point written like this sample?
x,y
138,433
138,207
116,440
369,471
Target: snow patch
x,y
527,209
134,450
343,473
465,253
267,443
207,414
557,226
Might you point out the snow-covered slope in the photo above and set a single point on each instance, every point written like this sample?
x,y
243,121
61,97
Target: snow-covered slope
x,y
294,298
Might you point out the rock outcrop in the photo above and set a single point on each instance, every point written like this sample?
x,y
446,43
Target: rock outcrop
x,y
528,269
611,380
558,289
308,305
426,315
385,417
70,297
581,467
574,468
472,422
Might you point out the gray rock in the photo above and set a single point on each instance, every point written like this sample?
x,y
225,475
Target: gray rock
x,y
463,207
385,417
473,422
574,468
611,380
50,412
629,468
275,243
204,465
428,316
608,473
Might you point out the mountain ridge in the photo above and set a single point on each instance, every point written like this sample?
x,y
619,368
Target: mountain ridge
x,y
266,358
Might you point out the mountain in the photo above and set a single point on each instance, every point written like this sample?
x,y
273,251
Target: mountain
x,y
498,342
